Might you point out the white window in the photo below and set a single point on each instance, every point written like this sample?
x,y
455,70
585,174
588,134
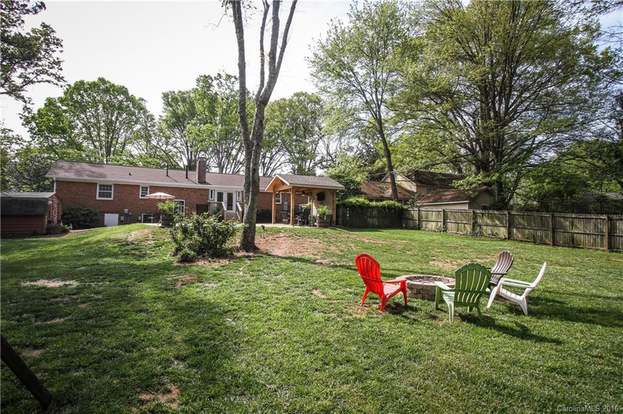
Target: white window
x,y
104,191
219,196
180,206
211,195
278,198
143,192
238,196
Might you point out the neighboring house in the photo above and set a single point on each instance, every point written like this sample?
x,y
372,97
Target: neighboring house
x,y
429,189
28,213
119,193
453,199
379,191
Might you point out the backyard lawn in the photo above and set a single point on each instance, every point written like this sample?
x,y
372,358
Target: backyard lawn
x,y
132,331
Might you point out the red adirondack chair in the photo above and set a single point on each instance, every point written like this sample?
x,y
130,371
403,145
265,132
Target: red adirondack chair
x,y
370,271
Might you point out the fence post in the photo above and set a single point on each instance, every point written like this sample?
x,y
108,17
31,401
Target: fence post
x,y
473,222
444,225
606,235
552,229
419,219
508,225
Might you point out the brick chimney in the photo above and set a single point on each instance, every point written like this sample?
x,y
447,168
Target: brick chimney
x,y
201,170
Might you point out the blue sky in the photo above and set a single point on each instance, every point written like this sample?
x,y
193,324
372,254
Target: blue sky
x,y
152,47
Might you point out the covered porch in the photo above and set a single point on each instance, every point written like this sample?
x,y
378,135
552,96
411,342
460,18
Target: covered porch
x,y
319,193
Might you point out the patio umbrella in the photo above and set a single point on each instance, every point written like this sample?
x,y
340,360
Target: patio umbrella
x,y
160,196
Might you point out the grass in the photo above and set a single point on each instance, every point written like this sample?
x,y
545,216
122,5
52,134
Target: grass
x,y
286,334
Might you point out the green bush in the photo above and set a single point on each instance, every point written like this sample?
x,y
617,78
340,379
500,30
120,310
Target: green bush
x,y
80,218
56,229
360,202
167,213
201,235
323,211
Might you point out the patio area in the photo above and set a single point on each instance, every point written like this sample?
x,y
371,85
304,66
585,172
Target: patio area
x,y
299,199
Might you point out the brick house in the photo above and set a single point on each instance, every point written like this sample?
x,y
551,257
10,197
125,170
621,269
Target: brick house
x,y
119,193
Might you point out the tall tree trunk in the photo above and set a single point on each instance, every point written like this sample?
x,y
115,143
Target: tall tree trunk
x,y
388,159
252,141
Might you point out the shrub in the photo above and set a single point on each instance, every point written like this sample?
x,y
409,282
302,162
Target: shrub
x,y
80,218
201,235
360,202
167,213
323,211
56,229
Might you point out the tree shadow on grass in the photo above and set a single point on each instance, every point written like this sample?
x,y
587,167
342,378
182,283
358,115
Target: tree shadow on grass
x,y
140,337
519,330
546,308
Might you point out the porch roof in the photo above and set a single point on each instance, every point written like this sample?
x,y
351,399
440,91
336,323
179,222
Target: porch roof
x,y
286,181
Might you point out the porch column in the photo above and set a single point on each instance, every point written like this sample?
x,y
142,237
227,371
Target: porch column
x,y
274,218
334,207
292,200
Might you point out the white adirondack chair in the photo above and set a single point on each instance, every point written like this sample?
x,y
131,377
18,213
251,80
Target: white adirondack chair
x,y
521,300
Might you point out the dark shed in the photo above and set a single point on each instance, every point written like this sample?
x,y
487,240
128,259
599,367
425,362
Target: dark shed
x,y
27,213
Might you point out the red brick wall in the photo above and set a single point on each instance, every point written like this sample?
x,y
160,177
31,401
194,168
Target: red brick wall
x,y
23,225
125,196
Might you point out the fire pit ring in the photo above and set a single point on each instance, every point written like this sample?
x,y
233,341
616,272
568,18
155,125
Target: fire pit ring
x,y
422,286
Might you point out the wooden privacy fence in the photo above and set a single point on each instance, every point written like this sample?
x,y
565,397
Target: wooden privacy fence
x,y
588,231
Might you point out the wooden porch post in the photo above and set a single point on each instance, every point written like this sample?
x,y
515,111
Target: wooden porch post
x,y
334,207
292,200
274,218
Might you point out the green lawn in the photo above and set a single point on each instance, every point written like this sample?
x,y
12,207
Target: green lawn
x,y
140,333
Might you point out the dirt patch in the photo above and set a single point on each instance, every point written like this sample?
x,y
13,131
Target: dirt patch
x,y
139,235
84,305
51,283
318,293
54,321
32,352
185,280
206,262
446,264
324,262
169,396
357,311
286,245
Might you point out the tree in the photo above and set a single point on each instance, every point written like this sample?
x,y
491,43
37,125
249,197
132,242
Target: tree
x,y
217,126
504,84
93,120
354,67
350,171
22,167
273,157
296,122
176,127
252,137
577,180
28,58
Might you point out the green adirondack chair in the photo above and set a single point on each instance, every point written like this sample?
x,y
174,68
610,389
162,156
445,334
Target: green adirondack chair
x,y
470,284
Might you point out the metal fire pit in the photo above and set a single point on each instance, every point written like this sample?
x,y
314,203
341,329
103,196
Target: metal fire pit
x,y
423,286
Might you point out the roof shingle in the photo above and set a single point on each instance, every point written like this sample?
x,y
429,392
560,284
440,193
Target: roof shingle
x,y
309,181
82,171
